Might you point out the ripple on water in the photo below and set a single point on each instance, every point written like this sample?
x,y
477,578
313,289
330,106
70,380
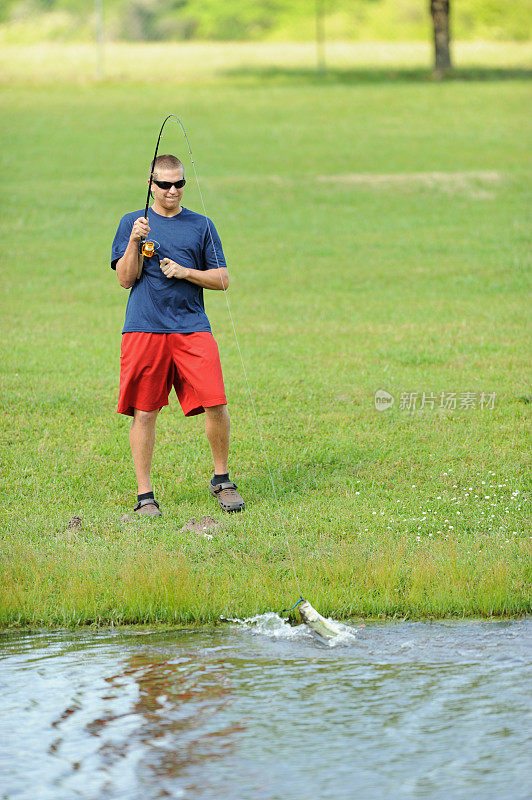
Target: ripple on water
x,y
258,708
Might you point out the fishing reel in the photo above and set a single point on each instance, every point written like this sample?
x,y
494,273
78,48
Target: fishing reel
x,y
148,247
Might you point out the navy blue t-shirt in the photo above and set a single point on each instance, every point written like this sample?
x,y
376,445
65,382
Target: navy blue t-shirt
x,y
158,304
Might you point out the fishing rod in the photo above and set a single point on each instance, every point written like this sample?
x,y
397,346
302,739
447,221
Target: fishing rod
x,y
146,246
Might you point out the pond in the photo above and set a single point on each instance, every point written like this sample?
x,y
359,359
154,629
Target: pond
x,y
261,710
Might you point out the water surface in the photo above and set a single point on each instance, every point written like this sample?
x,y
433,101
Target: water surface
x,y
265,711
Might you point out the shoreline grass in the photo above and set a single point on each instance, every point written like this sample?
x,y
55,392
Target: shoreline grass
x,y
160,586
377,236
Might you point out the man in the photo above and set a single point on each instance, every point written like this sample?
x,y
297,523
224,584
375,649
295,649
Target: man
x,y
167,339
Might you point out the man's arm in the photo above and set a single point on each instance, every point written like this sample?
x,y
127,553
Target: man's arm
x,y
207,279
129,267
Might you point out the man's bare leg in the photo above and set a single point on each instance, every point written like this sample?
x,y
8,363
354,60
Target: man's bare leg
x,y
142,441
217,427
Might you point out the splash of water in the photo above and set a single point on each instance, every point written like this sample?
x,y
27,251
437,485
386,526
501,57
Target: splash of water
x,y
273,626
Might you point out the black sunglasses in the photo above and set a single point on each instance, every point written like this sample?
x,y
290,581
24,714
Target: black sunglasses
x,y
168,184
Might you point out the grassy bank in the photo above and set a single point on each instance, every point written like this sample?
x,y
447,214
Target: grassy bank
x,y
377,237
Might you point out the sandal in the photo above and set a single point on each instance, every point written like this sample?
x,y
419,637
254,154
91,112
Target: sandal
x,y
148,508
227,495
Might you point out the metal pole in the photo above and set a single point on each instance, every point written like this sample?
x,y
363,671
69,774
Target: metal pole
x,y
320,37
98,39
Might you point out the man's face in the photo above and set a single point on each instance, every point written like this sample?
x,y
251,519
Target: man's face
x,y
169,199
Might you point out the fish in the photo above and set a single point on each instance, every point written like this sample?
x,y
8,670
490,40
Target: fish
x,y
323,627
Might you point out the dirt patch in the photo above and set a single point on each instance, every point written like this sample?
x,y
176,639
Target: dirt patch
x,y
72,530
475,183
202,526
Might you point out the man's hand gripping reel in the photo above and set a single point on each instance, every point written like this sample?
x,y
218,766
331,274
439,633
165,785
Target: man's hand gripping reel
x,y
147,247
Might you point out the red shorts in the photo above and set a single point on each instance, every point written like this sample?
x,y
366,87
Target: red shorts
x,y
151,363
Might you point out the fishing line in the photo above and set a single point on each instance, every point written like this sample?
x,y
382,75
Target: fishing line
x,y
266,459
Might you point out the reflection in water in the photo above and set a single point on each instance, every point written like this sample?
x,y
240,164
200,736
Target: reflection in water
x,y
172,722
263,712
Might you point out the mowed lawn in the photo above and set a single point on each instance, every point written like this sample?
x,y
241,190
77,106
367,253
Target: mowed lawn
x,y
377,238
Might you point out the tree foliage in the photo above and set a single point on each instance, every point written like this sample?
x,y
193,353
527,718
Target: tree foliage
x,y
265,19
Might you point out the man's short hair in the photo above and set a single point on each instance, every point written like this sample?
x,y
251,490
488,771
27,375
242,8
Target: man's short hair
x,y
166,162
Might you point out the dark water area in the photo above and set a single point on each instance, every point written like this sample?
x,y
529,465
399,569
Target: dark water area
x,y
260,710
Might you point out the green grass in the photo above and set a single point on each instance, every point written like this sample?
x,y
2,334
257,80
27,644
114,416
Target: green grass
x,y
42,63
345,281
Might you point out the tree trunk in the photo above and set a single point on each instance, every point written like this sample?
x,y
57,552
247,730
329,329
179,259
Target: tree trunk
x,y
439,10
